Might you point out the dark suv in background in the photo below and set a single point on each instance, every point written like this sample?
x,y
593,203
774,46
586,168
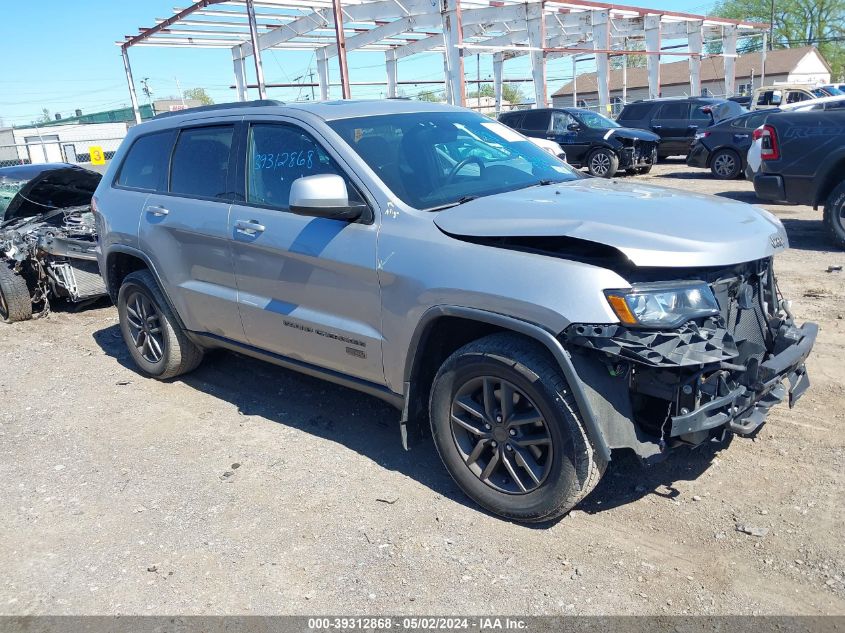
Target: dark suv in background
x,y
590,139
677,121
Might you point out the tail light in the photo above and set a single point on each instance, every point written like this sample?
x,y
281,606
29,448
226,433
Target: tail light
x,y
768,137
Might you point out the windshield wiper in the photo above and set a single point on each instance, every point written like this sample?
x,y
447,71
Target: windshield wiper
x,y
458,202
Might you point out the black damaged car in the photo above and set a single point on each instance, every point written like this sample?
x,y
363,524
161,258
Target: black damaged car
x,y
48,239
591,140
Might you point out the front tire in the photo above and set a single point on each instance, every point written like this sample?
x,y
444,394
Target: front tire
x,y
834,215
156,341
642,171
603,163
726,165
15,300
509,432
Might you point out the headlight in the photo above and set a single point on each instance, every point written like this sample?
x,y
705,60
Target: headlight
x,y
663,305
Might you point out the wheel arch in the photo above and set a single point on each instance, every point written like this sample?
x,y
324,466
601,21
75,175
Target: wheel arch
x,y
444,329
831,177
123,260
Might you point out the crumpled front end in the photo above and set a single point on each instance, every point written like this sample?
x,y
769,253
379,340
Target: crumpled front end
x,y
653,389
56,254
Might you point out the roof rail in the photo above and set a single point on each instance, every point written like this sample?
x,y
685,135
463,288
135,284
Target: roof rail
x,y
223,106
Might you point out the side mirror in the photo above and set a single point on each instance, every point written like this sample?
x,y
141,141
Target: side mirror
x,y
573,127
323,196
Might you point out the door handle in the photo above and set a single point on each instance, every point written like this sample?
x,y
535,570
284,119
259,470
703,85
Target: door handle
x,y
158,210
656,127
250,227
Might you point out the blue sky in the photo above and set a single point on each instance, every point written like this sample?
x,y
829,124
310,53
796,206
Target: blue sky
x,y
60,55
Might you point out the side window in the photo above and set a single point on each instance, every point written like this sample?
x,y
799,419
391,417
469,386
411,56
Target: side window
x,y
536,121
561,121
145,165
673,111
794,96
755,120
278,155
201,161
636,112
511,119
699,116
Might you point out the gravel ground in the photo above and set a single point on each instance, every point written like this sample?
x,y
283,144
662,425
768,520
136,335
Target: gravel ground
x,y
248,489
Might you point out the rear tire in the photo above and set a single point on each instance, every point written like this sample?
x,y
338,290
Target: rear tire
x,y
156,341
543,462
603,163
726,165
642,171
15,300
834,215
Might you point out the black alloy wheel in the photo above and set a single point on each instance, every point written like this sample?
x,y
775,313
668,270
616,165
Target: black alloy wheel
x,y
501,435
144,321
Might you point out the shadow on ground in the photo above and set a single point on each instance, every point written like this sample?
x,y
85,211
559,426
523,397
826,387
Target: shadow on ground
x,y
370,427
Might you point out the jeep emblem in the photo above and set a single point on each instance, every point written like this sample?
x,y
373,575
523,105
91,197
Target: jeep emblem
x,y
777,241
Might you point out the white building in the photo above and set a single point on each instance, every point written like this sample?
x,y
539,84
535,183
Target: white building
x,y
67,143
792,65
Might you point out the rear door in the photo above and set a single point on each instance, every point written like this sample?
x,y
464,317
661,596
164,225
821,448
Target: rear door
x,y
536,123
671,123
308,287
184,228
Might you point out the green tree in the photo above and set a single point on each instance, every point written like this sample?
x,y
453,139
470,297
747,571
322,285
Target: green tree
x,y
44,117
510,93
199,94
430,95
797,23
617,62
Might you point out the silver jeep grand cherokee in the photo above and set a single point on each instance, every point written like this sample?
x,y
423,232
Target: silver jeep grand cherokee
x,y
534,319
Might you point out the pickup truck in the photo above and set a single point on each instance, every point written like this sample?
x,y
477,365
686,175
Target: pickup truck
x,y
803,162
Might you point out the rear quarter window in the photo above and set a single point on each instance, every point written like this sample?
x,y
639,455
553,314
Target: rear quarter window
x,y
536,120
636,112
146,163
511,119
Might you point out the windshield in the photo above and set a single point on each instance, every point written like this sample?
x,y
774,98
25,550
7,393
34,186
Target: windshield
x,y
596,121
8,190
431,160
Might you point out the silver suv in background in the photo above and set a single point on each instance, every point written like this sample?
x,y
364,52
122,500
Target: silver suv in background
x,y
532,319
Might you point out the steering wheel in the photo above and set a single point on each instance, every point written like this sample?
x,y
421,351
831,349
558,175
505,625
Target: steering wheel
x,y
466,161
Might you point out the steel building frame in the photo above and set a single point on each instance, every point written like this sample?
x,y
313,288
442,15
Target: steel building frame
x,y
542,29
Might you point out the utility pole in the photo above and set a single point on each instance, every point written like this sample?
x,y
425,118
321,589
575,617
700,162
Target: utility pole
x,y
181,94
145,82
772,27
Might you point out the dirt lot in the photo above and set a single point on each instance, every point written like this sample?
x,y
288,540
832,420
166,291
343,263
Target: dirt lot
x,y
249,489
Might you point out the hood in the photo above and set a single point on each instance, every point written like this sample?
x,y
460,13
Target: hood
x,y
651,226
49,187
630,132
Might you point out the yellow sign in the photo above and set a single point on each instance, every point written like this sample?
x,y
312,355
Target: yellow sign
x,y
97,155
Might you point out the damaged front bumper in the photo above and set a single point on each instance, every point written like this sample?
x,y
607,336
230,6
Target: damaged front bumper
x,y
654,390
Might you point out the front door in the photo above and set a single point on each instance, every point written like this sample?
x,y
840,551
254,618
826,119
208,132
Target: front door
x,y
573,141
307,287
185,228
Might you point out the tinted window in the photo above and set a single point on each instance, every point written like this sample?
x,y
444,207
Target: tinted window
x,y
697,115
754,121
145,166
636,111
536,121
673,111
278,155
201,162
511,119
